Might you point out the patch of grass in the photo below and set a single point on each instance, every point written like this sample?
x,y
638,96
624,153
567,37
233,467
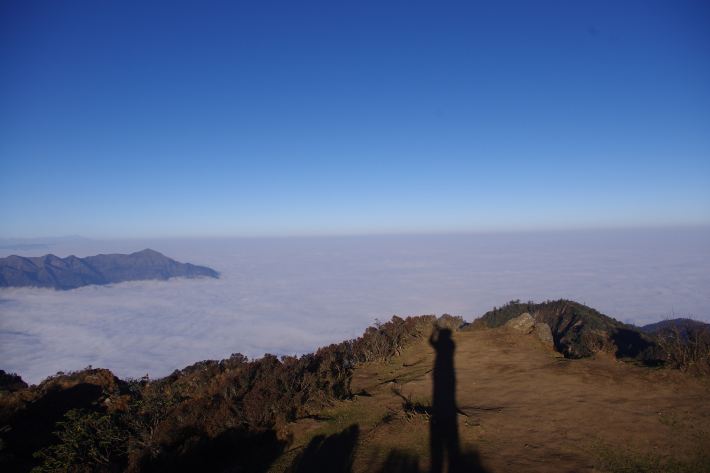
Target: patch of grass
x,y
344,414
412,407
388,417
616,460
418,406
670,419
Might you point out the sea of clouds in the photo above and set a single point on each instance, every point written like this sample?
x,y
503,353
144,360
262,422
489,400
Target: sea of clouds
x,y
292,295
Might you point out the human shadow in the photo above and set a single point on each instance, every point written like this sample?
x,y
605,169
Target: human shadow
x,y
332,454
443,423
443,427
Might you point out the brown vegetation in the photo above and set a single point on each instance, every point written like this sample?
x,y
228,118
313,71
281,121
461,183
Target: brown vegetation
x,y
686,349
91,421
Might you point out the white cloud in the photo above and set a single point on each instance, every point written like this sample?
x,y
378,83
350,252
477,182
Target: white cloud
x,y
293,295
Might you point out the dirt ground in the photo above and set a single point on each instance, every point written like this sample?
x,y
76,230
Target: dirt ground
x,y
522,408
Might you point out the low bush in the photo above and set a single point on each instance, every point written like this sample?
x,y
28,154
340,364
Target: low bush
x,y
686,349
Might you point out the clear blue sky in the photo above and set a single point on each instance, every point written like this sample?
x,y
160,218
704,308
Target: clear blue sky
x,y
171,118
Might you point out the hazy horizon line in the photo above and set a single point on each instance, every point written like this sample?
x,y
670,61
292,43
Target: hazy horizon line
x,y
451,232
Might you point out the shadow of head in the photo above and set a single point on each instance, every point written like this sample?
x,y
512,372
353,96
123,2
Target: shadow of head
x,y
442,342
442,335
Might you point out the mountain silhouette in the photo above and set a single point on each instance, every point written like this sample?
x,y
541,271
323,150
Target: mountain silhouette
x,y
72,272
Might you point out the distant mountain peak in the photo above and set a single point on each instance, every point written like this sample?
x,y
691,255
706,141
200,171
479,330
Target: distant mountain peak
x,y
149,251
72,272
682,324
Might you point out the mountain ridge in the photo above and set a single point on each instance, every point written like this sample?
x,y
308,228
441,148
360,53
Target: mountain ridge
x,y
73,272
579,331
683,324
372,398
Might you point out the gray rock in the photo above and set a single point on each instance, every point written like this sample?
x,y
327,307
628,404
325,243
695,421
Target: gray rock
x,y
544,333
524,323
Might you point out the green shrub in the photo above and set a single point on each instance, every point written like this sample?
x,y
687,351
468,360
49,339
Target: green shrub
x,y
88,442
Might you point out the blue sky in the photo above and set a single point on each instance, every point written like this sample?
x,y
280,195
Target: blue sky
x,y
135,119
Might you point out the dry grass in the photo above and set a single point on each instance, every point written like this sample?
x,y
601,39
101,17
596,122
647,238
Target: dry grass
x,y
523,410
615,459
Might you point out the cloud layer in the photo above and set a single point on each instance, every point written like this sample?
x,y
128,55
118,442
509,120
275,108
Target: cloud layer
x,y
287,296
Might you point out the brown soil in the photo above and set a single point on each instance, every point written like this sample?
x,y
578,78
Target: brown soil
x,y
523,408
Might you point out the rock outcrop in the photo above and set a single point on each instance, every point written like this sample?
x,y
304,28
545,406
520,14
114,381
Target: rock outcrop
x,y
578,331
544,333
526,324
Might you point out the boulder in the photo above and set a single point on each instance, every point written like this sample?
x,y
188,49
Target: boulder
x,y
524,323
544,333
